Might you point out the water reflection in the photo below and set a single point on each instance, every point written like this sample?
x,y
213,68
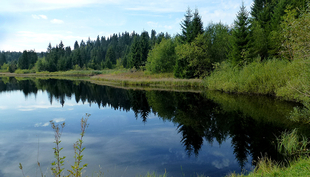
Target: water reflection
x,y
210,117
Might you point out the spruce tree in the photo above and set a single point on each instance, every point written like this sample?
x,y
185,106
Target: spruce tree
x,y
144,47
111,55
186,26
97,44
197,25
257,8
76,45
2,59
239,44
135,54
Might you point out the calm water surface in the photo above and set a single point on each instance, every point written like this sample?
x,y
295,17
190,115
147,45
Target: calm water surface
x,y
132,132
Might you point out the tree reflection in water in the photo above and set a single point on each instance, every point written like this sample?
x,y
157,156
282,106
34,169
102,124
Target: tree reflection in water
x,y
198,117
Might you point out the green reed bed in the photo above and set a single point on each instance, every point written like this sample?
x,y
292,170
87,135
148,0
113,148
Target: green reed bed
x,y
287,79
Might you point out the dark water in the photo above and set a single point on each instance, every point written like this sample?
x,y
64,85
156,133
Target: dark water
x,y
132,132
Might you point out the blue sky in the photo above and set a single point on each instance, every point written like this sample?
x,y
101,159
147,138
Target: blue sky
x,y
33,24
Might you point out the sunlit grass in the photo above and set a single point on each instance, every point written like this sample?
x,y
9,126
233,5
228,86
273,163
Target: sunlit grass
x,y
289,80
295,163
140,78
268,168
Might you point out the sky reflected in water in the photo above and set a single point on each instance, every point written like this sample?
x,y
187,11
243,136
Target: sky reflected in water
x,y
117,143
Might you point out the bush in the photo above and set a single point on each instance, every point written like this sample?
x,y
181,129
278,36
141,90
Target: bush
x,y
162,57
193,59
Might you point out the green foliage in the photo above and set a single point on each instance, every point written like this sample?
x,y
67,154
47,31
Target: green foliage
x,y
111,55
162,57
27,60
217,36
192,26
135,54
240,38
193,59
301,114
291,145
76,169
2,59
5,67
268,168
257,77
295,34
59,162
56,169
119,64
24,71
258,41
12,67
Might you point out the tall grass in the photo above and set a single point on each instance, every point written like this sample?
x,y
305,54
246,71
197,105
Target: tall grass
x,y
295,163
289,80
76,169
291,145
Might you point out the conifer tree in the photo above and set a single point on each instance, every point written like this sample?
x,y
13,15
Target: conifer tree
x,y
257,8
135,54
97,44
240,38
111,55
144,47
187,27
76,45
197,25
2,59
192,26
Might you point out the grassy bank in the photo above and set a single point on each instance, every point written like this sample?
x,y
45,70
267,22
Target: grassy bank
x,y
267,168
119,77
281,78
141,78
289,80
296,158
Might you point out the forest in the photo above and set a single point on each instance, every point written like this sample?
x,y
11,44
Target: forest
x,y
273,29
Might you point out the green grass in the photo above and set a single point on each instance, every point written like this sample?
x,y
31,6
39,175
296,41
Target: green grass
x,y
70,73
24,71
140,78
267,168
296,160
285,79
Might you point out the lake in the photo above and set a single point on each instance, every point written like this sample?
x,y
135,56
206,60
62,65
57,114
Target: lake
x,y
132,131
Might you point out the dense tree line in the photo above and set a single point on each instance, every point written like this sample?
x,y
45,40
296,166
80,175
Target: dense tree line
x,y
119,50
264,32
10,56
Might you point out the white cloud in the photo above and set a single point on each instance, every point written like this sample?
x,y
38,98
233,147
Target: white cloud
x,y
152,24
34,107
39,16
39,5
46,124
39,41
3,107
169,27
35,17
56,120
56,21
219,165
157,25
43,16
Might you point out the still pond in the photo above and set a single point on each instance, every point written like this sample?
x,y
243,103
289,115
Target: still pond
x,y
132,132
